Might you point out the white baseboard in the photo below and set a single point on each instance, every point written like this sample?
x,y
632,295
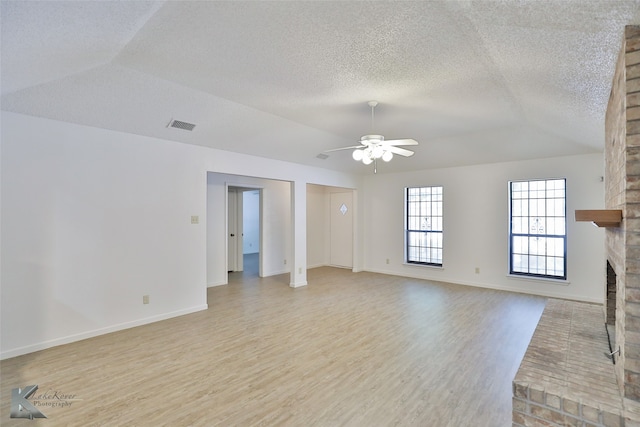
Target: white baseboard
x,y
316,266
275,273
96,332
542,293
214,284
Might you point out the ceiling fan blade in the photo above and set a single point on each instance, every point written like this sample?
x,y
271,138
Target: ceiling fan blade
x,y
345,148
400,151
401,142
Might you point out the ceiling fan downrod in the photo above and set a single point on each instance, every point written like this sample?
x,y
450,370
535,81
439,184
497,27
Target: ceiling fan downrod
x,y
372,104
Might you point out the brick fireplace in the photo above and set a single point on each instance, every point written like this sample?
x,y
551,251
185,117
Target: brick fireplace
x,y
564,379
622,191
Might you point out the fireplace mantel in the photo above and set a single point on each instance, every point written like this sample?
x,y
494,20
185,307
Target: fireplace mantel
x,y
601,217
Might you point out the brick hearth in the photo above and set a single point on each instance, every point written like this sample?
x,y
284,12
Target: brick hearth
x,y
565,379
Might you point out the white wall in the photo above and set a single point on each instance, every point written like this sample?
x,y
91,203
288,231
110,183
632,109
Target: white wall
x,y
276,224
92,220
476,225
250,222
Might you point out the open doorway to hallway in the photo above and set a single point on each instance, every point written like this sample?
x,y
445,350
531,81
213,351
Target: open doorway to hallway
x,y
275,227
251,232
243,225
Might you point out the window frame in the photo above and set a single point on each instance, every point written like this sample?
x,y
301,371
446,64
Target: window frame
x,y
428,260
548,254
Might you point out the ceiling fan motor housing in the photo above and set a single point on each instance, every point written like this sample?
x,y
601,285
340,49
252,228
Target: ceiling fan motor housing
x,y
372,138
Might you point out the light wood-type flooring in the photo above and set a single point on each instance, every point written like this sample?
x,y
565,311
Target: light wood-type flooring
x,y
349,349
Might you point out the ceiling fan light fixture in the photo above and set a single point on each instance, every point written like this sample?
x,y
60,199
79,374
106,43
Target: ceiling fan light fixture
x,y
373,146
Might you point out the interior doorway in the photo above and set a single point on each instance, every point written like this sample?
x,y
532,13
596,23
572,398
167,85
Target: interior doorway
x,y
251,231
244,230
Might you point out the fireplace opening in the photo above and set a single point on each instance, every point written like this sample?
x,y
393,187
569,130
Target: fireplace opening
x,y
611,295
610,306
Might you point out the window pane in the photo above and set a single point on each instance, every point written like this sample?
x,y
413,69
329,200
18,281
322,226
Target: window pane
x,y
558,266
411,239
550,226
520,245
559,226
414,223
536,225
437,259
515,208
520,264
537,264
551,205
537,245
558,248
517,225
413,253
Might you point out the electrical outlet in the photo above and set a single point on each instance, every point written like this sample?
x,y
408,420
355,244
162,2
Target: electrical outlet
x,y
195,219
285,262
300,270
477,270
387,260
145,299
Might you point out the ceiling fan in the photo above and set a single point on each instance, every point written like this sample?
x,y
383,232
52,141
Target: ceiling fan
x,y
373,147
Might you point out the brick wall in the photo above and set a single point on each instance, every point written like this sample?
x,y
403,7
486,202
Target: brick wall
x,y
533,406
614,153
631,214
622,191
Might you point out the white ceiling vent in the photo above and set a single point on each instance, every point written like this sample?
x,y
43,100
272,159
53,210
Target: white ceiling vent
x,y
181,125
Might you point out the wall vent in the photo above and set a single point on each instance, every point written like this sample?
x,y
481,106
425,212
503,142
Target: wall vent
x,y
181,125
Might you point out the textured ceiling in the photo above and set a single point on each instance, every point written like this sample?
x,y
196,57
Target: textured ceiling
x,y
472,81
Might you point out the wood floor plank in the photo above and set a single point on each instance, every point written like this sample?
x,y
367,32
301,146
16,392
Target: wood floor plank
x,y
352,349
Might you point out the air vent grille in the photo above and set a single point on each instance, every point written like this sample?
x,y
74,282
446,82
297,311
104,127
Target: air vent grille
x,y
181,125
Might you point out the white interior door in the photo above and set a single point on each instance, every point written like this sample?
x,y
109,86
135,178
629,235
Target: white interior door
x,y
341,229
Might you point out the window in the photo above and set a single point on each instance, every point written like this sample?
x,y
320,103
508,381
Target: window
x,y
537,233
424,225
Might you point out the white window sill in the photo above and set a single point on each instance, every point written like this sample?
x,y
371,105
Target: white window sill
x,y
562,282
413,264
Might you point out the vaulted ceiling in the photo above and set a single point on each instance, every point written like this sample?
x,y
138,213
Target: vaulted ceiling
x,y
472,81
